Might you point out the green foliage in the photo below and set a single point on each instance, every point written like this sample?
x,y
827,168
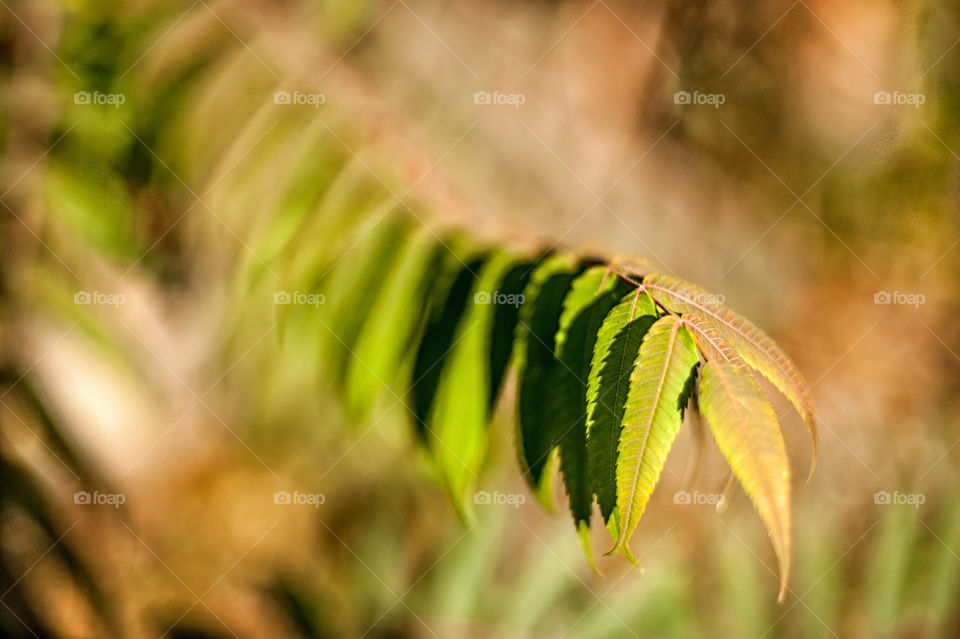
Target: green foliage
x,y
608,355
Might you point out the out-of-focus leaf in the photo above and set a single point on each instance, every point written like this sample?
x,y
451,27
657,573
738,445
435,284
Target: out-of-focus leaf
x,y
746,430
446,304
458,421
351,288
386,334
652,417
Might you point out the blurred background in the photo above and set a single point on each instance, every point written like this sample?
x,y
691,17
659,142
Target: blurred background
x,y
174,457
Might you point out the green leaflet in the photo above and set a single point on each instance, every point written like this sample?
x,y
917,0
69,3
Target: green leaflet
x,y
591,297
752,344
745,428
541,415
505,317
350,289
652,417
385,336
617,346
462,406
446,304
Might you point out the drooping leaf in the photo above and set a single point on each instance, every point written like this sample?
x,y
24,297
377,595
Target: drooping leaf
x,y
458,421
617,345
445,306
540,416
350,289
753,345
591,297
745,428
652,417
506,313
385,336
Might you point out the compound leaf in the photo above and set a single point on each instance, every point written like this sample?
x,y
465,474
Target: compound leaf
x,y
753,345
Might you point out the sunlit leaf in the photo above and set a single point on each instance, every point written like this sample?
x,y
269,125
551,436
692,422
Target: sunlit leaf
x,y
747,433
591,297
392,319
752,344
458,421
652,417
617,345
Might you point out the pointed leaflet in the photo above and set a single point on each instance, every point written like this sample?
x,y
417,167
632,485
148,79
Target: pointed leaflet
x,y
539,409
652,417
591,297
505,317
446,304
385,336
351,287
747,433
458,422
617,345
753,345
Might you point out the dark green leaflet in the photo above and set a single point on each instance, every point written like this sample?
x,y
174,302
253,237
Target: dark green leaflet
x,y
505,319
539,415
461,409
385,335
447,302
617,346
591,297
352,286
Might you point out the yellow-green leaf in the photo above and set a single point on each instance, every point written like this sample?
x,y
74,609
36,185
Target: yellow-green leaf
x,y
652,417
747,433
753,345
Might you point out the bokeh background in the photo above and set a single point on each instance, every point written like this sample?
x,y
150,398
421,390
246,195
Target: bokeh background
x,y
798,158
